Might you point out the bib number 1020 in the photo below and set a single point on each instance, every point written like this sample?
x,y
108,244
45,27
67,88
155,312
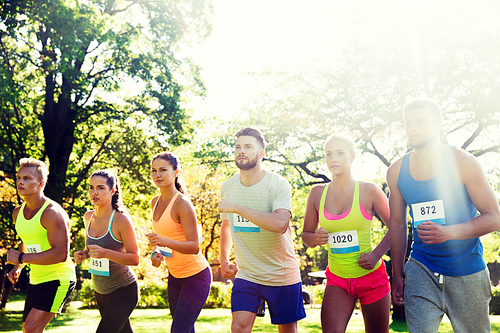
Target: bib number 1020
x,y
339,239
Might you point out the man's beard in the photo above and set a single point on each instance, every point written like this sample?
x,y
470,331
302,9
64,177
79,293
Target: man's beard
x,y
246,165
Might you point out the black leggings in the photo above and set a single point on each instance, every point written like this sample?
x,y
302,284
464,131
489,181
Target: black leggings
x,y
115,309
186,298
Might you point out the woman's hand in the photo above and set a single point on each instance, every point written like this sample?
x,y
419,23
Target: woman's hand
x,y
321,236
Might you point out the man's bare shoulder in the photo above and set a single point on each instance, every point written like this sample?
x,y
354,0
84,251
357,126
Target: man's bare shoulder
x,y
54,213
16,212
395,166
463,158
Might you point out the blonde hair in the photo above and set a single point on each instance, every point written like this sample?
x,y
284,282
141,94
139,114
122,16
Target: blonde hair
x,y
41,168
344,138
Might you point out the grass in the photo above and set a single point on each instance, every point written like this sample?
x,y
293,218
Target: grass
x,y
159,320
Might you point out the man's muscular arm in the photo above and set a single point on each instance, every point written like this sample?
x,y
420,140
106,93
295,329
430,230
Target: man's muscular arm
x,y
56,222
277,221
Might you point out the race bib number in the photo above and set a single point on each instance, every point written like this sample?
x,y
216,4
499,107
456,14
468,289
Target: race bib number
x,y
243,225
428,211
99,266
165,251
343,242
33,248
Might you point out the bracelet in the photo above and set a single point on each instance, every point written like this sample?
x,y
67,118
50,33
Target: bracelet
x,y
153,253
20,258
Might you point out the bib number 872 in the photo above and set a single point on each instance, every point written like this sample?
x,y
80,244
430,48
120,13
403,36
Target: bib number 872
x,y
428,210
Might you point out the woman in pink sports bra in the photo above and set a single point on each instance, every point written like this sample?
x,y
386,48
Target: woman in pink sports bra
x,y
339,214
176,241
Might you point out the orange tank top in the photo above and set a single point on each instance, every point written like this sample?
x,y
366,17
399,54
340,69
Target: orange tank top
x,y
180,265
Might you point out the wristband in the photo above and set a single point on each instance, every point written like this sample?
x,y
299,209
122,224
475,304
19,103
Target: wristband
x,y
20,258
153,253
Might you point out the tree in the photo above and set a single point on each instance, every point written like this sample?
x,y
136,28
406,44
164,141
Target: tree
x,y
95,84
65,65
389,52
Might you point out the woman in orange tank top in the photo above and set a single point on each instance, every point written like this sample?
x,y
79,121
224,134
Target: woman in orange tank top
x,y
176,242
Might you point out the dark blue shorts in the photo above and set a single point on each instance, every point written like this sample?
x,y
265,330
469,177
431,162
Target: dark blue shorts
x,y
285,303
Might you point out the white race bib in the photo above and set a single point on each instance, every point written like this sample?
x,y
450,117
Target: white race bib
x,y
165,251
99,266
428,211
33,248
343,242
243,225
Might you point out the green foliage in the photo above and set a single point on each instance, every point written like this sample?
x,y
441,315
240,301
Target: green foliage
x,y
86,295
153,295
316,293
495,301
220,296
95,84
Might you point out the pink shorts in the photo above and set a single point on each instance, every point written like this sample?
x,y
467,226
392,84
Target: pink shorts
x,y
368,288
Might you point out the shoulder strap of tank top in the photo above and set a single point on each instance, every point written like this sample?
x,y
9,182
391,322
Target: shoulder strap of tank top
x,y
38,214
171,203
88,224
446,165
21,210
110,223
355,198
323,199
156,204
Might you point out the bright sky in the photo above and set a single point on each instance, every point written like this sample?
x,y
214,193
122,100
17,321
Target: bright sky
x,y
255,36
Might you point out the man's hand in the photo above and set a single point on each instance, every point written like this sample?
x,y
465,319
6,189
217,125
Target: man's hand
x,y
156,259
321,236
80,256
13,275
13,257
228,269
368,260
432,233
397,290
226,206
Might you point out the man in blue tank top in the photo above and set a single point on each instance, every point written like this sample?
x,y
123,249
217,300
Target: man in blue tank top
x,y
444,187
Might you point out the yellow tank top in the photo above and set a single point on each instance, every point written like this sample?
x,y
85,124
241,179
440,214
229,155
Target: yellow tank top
x,y
180,265
349,236
34,237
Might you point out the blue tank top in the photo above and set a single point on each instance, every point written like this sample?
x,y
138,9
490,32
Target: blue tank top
x,y
441,193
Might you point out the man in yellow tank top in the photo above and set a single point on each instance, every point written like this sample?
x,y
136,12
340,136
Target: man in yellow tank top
x,y
43,227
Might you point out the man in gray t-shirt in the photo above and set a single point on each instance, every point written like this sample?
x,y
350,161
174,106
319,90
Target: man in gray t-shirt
x,y
256,209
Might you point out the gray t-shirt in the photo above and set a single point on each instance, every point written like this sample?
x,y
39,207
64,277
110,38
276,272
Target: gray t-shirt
x,y
263,257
